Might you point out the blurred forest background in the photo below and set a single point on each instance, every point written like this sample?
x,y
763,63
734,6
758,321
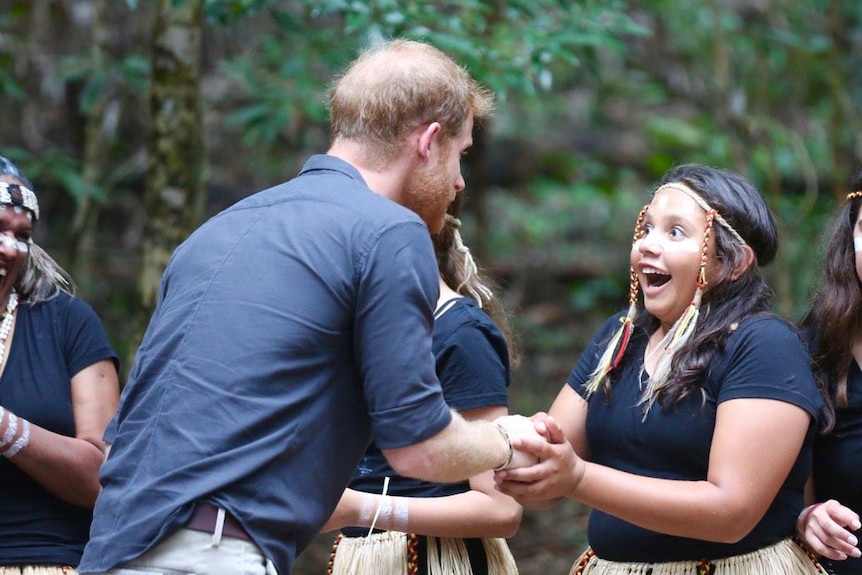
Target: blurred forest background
x,y
138,119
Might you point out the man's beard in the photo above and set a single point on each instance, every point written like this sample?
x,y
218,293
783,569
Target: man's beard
x,y
429,193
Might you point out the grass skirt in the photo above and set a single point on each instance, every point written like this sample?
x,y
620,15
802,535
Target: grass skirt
x,y
37,570
394,553
787,557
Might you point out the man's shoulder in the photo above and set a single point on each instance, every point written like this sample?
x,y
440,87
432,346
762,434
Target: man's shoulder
x,y
332,188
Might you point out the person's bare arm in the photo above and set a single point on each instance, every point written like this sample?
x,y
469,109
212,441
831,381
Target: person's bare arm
x,y
464,449
68,467
480,512
746,469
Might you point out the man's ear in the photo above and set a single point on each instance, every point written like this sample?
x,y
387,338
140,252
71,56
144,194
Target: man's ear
x,y
746,262
427,138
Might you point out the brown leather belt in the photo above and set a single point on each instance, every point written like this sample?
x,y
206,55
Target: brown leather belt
x,y
205,517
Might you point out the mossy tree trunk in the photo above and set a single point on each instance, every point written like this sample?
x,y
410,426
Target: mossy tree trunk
x,y
174,191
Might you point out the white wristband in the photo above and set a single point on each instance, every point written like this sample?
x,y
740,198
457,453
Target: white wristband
x,y
11,430
400,515
21,442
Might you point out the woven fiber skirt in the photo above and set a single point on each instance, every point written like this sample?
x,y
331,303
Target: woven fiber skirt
x,y
37,570
787,557
394,553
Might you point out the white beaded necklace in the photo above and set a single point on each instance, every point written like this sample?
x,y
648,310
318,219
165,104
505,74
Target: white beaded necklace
x,y
6,325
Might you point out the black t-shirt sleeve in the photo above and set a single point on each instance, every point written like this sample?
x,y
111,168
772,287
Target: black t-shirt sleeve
x,y
472,366
768,360
86,341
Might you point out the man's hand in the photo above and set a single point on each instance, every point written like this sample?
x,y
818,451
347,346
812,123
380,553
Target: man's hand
x,y
517,427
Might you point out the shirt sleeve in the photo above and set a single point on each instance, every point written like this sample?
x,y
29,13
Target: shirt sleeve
x,y
768,360
472,371
86,341
398,287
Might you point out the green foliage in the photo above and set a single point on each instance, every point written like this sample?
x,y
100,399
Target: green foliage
x,y
515,47
102,77
9,86
581,229
226,12
101,74
281,86
767,91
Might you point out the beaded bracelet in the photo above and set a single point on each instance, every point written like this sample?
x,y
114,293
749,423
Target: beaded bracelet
x,y
505,435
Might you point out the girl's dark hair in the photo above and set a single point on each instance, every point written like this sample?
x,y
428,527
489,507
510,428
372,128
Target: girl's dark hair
x,y
835,314
726,303
460,272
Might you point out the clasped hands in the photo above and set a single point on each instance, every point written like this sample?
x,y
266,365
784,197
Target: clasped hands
x,y
545,467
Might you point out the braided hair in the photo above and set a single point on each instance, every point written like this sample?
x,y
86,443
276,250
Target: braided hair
x,y
459,270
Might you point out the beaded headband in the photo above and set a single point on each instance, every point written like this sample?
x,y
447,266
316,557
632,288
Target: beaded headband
x,y
706,207
20,197
854,195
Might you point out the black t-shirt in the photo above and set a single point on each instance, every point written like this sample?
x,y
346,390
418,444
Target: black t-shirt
x,y
838,461
53,342
764,358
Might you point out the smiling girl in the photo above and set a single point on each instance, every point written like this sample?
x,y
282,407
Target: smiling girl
x,y
687,424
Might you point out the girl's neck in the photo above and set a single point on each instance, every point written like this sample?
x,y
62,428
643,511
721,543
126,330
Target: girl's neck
x,y
654,347
446,293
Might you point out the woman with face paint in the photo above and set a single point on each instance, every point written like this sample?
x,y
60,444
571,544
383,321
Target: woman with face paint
x,y
688,422
58,390
834,327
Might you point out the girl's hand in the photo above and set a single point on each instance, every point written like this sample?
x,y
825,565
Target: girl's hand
x,y
556,475
828,529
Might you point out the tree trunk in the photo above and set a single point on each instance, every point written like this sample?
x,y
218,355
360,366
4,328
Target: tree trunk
x,y
174,191
96,145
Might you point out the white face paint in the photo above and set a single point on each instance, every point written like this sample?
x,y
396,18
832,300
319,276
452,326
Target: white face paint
x,y
857,245
10,242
